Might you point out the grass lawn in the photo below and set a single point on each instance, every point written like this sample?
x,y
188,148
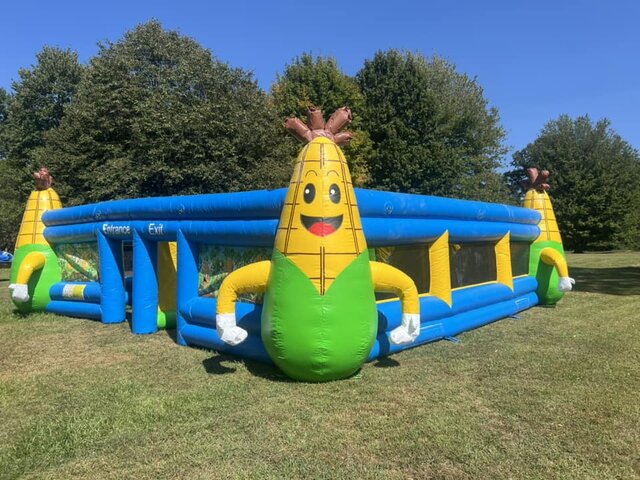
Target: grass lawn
x,y
553,395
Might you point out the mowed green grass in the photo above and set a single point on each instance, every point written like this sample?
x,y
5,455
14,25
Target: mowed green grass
x,y
553,395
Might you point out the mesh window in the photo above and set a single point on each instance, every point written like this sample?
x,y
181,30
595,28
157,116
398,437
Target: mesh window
x,y
411,259
472,263
216,262
520,258
79,262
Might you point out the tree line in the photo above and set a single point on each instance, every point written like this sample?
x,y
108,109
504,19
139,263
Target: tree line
x,y
155,113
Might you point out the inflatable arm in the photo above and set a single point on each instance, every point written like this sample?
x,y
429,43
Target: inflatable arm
x,y
250,278
33,262
389,279
553,258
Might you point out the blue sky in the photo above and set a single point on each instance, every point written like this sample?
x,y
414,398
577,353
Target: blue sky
x,y
534,59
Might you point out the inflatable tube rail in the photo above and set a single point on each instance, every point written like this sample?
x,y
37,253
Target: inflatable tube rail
x,y
255,204
76,292
451,326
471,308
253,348
379,204
75,309
261,233
201,310
267,204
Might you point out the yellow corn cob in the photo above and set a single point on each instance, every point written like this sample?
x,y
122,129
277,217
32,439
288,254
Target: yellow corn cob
x,y
547,258
541,202
32,229
33,253
320,166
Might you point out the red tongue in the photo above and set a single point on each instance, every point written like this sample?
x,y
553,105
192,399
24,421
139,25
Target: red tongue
x,y
322,229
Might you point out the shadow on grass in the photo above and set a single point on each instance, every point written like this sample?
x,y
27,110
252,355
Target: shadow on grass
x,y
221,364
611,281
386,362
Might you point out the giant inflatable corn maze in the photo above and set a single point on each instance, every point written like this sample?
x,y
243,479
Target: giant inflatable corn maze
x,y
316,278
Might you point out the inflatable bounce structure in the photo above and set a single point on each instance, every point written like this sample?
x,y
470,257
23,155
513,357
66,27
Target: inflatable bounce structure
x,y
316,278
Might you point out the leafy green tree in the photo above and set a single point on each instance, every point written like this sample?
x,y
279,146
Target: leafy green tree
x,y
432,129
157,114
11,206
5,98
4,105
38,103
631,223
320,83
10,215
594,180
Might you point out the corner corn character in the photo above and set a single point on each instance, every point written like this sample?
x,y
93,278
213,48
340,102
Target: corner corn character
x,y
35,265
547,261
319,317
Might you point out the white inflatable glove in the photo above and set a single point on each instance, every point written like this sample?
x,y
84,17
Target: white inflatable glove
x,y
228,330
408,331
19,292
566,284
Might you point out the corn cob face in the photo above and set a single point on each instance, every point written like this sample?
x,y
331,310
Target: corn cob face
x,y
320,228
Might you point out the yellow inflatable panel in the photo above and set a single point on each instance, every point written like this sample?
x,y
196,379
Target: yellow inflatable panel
x,y
167,265
503,261
440,271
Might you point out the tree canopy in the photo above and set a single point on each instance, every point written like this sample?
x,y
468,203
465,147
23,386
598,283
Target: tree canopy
x,y
40,99
157,114
4,107
320,83
594,179
36,106
432,129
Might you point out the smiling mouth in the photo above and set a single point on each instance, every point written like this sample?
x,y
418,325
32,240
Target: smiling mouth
x,y
321,226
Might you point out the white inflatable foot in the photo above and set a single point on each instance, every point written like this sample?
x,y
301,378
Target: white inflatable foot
x,y
229,332
408,331
19,292
566,284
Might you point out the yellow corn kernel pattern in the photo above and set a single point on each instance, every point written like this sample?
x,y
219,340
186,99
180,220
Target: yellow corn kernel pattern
x,y
541,202
320,165
32,228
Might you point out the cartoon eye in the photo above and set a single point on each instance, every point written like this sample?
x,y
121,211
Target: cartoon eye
x,y
334,193
309,193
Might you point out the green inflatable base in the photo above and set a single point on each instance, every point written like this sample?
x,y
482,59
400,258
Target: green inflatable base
x,y
166,320
40,281
547,275
318,338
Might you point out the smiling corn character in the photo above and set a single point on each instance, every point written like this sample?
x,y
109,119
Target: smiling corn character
x,y
35,265
319,317
547,261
